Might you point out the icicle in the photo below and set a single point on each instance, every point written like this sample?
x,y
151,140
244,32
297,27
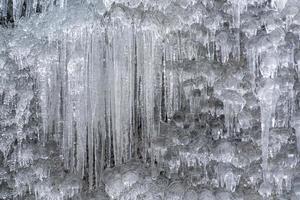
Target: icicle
x,y
17,8
104,91
267,96
228,117
233,105
63,3
227,177
223,44
279,4
296,125
252,61
65,103
3,8
238,7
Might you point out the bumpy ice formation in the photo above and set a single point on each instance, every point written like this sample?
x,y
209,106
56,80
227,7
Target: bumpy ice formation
x,y
149,99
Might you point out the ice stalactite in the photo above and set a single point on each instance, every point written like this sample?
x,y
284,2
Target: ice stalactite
x,y
267,96
211,35
63,3
3,8
227,177
264,64
22,8
252,62
296,125
278,4
286,103
227,89
238,8
223,44
174,91
67,92
233,105
101,98
25,8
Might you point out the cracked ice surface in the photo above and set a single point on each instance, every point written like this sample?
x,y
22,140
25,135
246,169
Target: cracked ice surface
x,y
144,99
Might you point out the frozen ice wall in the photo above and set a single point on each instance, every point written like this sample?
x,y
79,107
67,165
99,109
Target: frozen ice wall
x,y
203,94
100,95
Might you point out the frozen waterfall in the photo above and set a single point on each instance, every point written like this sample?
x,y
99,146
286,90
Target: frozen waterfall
x,y
149,99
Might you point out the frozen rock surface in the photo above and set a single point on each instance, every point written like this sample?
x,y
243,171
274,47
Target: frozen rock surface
x,y
146,100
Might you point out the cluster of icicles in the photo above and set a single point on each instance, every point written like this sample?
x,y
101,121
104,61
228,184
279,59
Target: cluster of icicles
x,y
106,82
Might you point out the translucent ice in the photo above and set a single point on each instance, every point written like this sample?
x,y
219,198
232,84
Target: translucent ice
x,y
165,99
